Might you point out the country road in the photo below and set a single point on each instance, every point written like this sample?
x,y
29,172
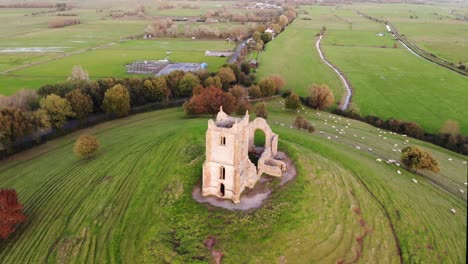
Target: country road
x,y
237,51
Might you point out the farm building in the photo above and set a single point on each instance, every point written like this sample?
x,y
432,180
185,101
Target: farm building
x,y
162,67
218,53
186,67
146,67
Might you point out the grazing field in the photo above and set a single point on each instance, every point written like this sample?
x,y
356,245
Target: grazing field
x,y
132,203
389,81
434,28
293,56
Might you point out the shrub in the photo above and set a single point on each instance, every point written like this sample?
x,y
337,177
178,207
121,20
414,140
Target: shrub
x,y
86,146
11,212
261,111
293,101
416,158
302,123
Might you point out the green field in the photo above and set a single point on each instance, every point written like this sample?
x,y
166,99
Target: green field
x,y
387,82
132,203
293,56
112,61
435,29
86,45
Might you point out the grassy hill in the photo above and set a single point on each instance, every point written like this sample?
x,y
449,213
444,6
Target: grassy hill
x,y
132,203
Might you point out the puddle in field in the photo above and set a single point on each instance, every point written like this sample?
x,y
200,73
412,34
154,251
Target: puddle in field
x,y
33,49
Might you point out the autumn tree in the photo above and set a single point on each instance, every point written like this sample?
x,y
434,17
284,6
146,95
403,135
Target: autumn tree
x,y
78,74
81,104
155,90
11,212
254,91
208,100
14,124
58,109
213,81
117,101
261,111
267,86
86,146
226,76
450,127
23,99
416,158
321,97
293,101
279,82
283,21
186,85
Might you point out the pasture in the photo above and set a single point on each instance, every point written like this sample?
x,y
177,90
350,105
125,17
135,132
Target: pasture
x,y
387,80
293,56
433,28
132,203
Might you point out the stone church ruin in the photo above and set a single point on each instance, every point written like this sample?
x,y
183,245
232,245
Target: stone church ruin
x,y
228,169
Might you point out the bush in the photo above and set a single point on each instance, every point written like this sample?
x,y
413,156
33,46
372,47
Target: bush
x,y
86,146
293,101
416,158
261,111
302,123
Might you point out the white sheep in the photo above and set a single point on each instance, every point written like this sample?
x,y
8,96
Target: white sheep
x,y
358,147
398,164
363,138
398,171
450,159
336,136
414,180
384,137
394,150
321,132
369,149
329,137
462,191
453,211
379,160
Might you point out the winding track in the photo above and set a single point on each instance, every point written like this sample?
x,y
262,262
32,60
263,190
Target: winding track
x,y
347,85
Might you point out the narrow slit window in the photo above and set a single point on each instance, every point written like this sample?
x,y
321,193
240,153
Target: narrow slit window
x,y
223,141
222,173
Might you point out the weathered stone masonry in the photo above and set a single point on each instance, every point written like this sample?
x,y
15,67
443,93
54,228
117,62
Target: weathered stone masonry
x,y
227,169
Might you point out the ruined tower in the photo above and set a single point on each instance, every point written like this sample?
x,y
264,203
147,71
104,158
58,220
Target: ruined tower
x,y
227,169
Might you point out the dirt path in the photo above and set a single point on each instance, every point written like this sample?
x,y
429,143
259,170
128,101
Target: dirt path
x,y
349,92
